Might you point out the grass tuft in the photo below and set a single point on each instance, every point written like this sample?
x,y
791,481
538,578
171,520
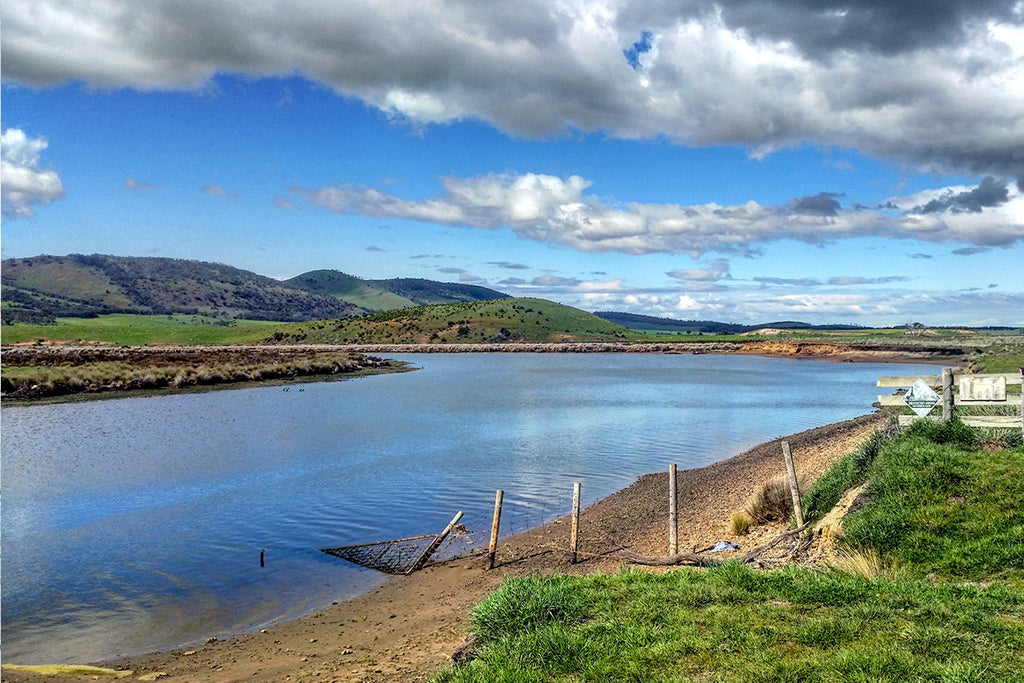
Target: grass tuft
x,y
772,501
740,522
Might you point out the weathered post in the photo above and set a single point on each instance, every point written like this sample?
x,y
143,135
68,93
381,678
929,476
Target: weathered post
x,y
794,486
947,394
1022,401
435,544
673,513
574,532
261,557
498,497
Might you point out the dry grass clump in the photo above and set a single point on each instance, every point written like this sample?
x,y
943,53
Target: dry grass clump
x,y
770,502
867,563
740,522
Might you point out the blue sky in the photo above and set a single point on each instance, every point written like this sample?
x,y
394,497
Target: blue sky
x,y
743,161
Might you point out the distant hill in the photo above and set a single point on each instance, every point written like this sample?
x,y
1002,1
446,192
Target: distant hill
x,y
426,292
648,323
494,320
42,288
385,295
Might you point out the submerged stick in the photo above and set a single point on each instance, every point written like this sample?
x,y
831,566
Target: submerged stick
x,y
435,544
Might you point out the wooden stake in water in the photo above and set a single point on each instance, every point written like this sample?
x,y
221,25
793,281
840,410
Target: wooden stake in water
x,y
794,486
574,533
673,513
435,544
498,497
261,557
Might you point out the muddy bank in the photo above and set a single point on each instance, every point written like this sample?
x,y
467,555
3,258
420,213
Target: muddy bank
x,y
407,628
62,372
35,373
787,349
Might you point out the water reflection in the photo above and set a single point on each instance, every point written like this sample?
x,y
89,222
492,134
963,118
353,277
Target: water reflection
x,y
135,524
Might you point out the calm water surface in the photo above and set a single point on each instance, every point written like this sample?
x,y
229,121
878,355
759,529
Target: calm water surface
x,y
135,524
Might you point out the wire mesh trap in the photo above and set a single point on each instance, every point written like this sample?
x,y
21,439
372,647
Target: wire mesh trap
x,y
390,557
400,556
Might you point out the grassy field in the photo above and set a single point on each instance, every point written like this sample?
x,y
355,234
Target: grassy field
x,y
127,329
944,518
495,320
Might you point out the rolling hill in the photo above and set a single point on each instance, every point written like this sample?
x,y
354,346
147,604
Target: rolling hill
x,y
648,323
493,320
42,288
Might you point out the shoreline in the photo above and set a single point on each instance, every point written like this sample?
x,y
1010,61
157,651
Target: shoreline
x,y
368,364
408,627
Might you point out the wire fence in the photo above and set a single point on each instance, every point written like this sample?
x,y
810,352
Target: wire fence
x,y
472,537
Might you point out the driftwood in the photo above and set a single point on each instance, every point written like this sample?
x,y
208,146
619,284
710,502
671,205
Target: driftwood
x,y
466,651
697,560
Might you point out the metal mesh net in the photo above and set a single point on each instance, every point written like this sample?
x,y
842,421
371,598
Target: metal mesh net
x,y
390,557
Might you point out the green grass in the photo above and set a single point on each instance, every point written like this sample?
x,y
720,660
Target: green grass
x,y
494,320
947,511
733,623
127,329
939,505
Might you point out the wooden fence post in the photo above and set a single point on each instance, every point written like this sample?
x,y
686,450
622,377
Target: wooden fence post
x,y
498,497
1022,401
435,544
574,533
947,394
673,513
794,486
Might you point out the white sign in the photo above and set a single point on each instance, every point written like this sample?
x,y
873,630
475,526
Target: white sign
x,y
921,398
982,388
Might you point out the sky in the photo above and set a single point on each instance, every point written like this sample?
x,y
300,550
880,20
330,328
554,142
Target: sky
x,y
827,161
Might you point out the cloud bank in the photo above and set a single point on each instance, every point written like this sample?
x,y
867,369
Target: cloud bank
x,y
938,85
23,180
559,210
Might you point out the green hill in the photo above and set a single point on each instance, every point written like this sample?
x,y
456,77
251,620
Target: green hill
x,y
650,323
362,293
40,289
385,295
495,320
426,292
84,286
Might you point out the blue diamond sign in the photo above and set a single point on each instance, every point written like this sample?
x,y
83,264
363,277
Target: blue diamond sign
x,y
921,398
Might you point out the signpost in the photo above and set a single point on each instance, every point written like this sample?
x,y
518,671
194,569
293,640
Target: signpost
x,y
921,398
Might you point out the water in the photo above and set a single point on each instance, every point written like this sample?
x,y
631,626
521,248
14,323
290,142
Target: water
x,y
136,524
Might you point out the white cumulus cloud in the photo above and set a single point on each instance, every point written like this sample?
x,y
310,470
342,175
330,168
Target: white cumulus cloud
x,y
561,211
23,180
939,86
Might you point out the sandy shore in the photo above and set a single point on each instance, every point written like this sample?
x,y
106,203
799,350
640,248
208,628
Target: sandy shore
x,y
408,628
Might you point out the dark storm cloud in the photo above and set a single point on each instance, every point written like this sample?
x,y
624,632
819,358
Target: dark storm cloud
x,y
933,84
990,192
821,204
823,27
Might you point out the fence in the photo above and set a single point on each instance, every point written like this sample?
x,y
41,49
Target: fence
x,y
956,392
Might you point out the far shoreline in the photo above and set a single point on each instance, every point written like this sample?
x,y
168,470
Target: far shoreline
x,y
822,351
